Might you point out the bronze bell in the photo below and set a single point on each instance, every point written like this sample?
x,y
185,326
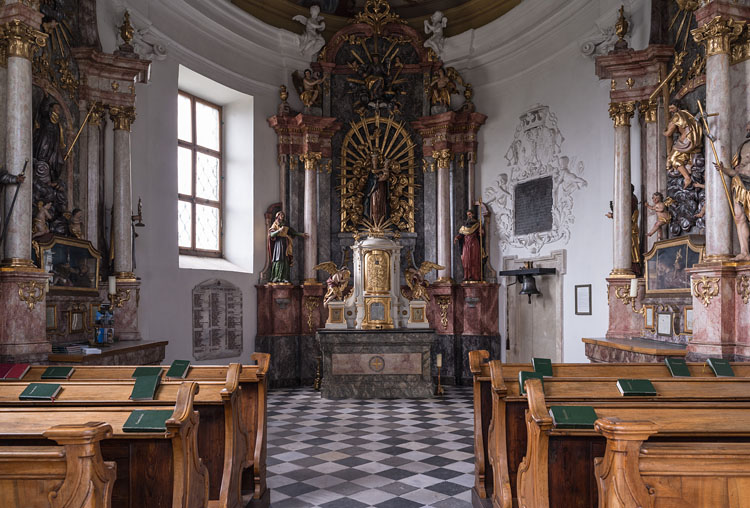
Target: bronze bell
x,y
528,286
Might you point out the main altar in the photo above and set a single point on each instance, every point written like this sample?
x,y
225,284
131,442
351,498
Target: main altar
x,y
379,229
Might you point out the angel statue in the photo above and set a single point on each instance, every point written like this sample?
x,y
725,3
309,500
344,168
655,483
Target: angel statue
x,y
337,282
416,281
435,26
442,86
308,87
311,41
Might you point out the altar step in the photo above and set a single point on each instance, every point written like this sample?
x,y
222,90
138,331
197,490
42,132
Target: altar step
x,y
636,349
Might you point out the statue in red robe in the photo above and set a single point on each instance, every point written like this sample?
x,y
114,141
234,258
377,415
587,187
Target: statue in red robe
x,y
472,250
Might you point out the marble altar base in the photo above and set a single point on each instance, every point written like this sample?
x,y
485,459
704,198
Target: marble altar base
x,y
369,364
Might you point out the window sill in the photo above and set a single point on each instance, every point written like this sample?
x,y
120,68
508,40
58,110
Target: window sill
x,y
207,263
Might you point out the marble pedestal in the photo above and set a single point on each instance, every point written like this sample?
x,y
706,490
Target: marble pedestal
x,y
624,322
23,337
126,311
369,364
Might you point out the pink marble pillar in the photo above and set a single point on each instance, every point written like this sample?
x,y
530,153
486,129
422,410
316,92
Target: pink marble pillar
x,y
23,336
443,161
713,288
621,113
122,119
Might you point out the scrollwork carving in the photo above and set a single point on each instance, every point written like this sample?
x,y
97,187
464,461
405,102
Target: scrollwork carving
x,y
31,293
705,288
743,288
443,302
311,303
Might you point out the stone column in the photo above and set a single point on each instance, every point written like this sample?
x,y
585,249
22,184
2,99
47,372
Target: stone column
x,y
471,179
283,175
22,40
122,119
93,174
443,161
654,154
621,113
311,163
717,35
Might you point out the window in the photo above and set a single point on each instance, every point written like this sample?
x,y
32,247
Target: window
x,y
200,176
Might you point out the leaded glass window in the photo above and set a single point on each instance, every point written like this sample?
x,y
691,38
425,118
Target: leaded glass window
x,y
199,176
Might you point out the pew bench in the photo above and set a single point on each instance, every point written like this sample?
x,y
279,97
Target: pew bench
x,y
71,475
154,469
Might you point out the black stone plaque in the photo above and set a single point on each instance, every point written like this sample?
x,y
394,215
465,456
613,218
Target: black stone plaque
x,y
533,206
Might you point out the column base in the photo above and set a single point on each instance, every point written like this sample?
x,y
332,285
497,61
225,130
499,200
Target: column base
x,y
715,317
624,321
23,336
126,308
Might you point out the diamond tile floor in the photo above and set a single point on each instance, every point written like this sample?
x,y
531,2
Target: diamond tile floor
x,y
399,453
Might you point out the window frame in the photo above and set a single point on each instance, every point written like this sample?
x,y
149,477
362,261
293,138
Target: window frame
x,y
194,200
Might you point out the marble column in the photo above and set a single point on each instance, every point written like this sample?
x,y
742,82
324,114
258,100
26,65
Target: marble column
x,y
311,163
323,215
283,176
654,176
122,119
93,174
471,179
443,162
22,40
429,215
621,113
717,35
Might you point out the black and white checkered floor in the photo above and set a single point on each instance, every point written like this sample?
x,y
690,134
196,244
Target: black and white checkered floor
x,y
361,453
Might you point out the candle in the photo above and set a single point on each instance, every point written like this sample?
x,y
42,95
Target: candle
x,y
633,288
112,284
439,360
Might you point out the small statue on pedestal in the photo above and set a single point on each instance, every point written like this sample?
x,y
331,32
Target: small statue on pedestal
x,y
280,248
663,217
441,88
40,223
311,41
337,282
470,239
740,175
308,87
687,144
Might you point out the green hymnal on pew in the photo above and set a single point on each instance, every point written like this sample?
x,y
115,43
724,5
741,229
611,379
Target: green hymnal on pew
x,y
40,391
543,366
720,367
524,375
58,373
147,420
178,369
636,387
573,417
145,387
146,371
677,367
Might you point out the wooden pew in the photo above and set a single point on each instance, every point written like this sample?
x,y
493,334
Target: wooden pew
x,y
252,402
515,431
558,468
674,474
71,475
155,470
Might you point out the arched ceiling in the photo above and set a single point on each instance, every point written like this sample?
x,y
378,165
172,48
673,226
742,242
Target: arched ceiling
x,y
462,14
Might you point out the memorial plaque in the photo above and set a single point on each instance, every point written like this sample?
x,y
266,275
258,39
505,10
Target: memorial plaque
x,y
217,320
533,206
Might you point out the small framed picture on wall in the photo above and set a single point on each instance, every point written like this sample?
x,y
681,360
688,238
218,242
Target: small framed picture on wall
x,y
664,323
583,300
687,320
648,317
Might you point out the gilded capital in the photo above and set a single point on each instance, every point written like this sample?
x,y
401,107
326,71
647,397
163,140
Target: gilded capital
x,y
97,114
648,109
443,158
311,160
21,40
122,117
718,34
621,113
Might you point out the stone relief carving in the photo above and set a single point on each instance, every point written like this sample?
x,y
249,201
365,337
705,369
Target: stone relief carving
x,y
604,41
536,152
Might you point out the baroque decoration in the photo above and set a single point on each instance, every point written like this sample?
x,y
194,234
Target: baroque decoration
x,y
536,152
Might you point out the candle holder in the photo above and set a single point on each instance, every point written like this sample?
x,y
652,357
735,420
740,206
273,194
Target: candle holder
x,y
439,391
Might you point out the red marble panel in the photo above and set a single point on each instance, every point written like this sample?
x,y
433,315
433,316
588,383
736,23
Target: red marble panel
x,y
23,335
126,315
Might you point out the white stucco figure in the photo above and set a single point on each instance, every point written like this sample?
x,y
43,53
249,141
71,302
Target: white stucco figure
x,y
435,26
311,41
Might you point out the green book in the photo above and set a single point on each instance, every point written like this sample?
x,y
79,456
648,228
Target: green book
x,y
636,387
146,371
145,387
573,417
58,373
178,369
720,367
40,391
524,375
677,367
147,420
543,366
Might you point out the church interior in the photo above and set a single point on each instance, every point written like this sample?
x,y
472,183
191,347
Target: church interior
x,y
375,253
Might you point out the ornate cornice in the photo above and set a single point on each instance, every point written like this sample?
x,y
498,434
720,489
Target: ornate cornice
x,y
648,110
621,113
22,40
122,117
718,34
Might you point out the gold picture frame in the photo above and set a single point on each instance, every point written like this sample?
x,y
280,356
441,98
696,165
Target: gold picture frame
x,y
76,321
649,322
93,309
373,320
665,324
51,316
687,320
667,262
72,264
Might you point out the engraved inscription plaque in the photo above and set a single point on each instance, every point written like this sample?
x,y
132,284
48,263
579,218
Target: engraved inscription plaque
x,y
217,320
533,206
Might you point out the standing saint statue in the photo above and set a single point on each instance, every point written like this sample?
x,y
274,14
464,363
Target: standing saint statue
x,y
376,188
688,143
280,248
472,252
740,175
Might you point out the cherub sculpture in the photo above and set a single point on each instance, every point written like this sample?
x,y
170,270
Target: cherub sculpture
x,y
308,87
311,41
435,26
40,223
337,282
416,281
663,217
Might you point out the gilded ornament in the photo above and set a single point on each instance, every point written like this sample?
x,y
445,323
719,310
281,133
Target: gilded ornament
x,y
630,82
443,158
115,86
444,302
126,29
718,34
415,279
31,293
22,41
311,160
705,288
648,110
621,113
122,117
377,271
622,25
97,114
377,14
428,166
743,287
612,85
311,303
